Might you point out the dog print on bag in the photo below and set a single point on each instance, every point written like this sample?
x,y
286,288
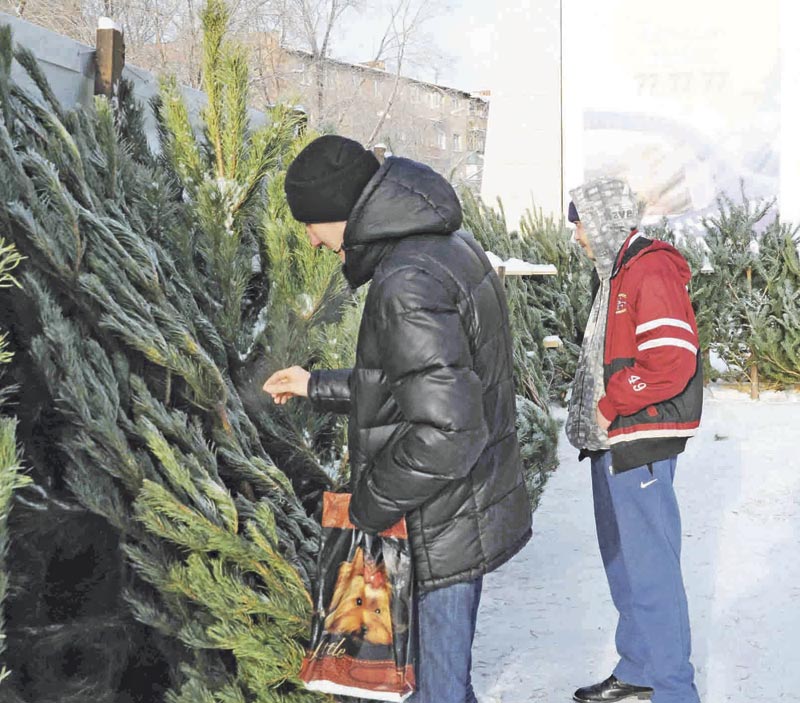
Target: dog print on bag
x,y
360,603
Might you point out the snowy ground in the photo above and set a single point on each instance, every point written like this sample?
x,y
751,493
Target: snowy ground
x,y
546,624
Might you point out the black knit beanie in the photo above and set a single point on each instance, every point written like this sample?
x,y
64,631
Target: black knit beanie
x,y
326,179
572,213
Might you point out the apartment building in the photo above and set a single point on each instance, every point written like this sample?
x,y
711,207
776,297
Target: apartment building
x,y
438,125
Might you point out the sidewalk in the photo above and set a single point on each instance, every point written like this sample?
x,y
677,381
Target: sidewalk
x,y
546,624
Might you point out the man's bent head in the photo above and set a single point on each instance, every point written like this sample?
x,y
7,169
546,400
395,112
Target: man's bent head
x,y
327,234
323,184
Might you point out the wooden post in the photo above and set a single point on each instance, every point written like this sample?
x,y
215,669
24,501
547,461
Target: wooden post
x,y
380,152
302,120
109,56
754,389
501,274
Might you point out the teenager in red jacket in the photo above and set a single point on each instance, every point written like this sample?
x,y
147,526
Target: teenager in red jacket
x,y
636,399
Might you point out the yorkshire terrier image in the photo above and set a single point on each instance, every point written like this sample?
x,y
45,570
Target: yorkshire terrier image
x,y
360,603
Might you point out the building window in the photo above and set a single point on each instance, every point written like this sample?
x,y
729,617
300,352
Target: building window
x,y
306,74
475,141
456,142
332,79
477,107
435,99
441,139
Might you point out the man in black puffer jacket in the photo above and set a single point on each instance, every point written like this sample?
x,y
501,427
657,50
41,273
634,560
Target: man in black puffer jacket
x,y
431,396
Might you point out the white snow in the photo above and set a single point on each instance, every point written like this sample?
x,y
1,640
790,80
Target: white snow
x,y
717,363
546,623
494,259
258,330
518,267
107,23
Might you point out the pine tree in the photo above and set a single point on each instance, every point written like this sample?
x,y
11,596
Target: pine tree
x,y
282,299
564,300
11,476
725,295
541,307
533,310
148,324
745,285
10,259
538,441
775,320
313,320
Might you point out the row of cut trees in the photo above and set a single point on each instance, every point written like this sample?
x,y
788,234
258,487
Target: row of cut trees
x,y
746,291
163,543
165,547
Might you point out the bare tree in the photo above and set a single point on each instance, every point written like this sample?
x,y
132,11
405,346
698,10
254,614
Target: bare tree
x,y
66,16
313,23
406,27
164,36
147,24
402,43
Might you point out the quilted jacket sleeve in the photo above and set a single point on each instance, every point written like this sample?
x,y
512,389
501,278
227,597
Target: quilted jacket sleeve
x,y
427,361
329,391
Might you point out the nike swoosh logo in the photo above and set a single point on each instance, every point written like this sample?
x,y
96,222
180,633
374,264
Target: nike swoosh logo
x,y
649,483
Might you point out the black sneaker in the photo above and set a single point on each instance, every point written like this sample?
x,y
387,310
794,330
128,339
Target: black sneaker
x,y
612,689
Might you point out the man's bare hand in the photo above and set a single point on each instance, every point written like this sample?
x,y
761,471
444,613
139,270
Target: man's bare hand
x,y
287,383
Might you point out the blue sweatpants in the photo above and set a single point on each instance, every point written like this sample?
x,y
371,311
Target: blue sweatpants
x,y
639,532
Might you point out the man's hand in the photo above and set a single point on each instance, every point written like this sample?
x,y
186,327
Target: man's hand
x,y
287,383
602,421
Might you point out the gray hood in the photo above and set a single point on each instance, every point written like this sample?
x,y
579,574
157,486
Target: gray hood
x,y
608,210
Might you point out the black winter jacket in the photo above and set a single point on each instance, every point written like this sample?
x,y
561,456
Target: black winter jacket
x,y
431,398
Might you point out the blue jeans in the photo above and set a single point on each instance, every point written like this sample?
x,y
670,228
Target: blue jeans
x,y
446,621
639,532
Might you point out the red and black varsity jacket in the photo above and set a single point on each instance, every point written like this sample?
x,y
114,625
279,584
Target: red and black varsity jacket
x,y
652,365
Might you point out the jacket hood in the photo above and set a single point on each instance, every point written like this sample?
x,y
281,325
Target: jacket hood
x,y
402,199
608,210
631,254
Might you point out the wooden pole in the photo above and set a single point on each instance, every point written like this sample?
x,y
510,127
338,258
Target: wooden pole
x,y
109,56
754,389
380,152
754,386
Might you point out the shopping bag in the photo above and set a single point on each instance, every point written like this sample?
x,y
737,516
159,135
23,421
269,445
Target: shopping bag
x,y
363,642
